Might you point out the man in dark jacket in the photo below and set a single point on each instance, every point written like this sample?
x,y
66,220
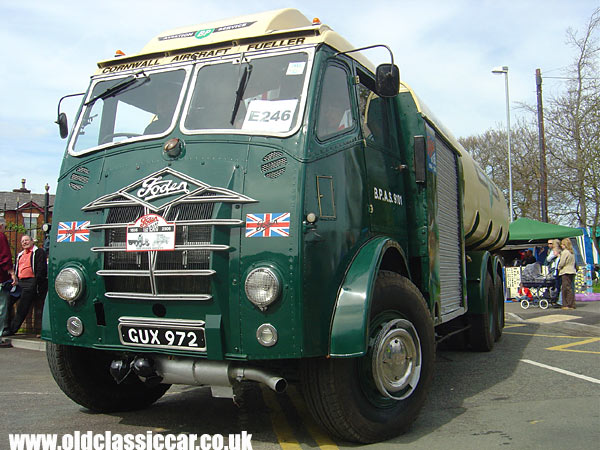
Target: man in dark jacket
x,y
32,273
6,273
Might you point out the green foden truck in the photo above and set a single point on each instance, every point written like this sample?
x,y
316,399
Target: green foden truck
x,y
251,200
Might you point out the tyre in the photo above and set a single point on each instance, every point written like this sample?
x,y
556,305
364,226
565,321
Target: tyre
x,y
544,303
482,333
524,304
499,326
377,396
83,375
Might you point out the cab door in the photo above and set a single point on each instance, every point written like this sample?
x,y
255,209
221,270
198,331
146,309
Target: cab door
x,y
385,169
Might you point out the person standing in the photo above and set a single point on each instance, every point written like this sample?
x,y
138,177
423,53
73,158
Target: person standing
x,y
567,271
6,273
32,274
552,261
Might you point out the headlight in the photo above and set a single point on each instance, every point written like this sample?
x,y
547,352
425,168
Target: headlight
x,y
262,287
69,284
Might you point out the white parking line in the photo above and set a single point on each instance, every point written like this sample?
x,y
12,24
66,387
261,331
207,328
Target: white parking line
x,y
565,372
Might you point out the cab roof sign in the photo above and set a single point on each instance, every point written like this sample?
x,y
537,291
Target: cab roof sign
x,y
229,29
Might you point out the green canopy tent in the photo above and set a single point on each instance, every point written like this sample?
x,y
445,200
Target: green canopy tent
x,y
526,231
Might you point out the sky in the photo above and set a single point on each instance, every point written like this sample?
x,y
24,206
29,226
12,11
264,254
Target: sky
x,y
445,49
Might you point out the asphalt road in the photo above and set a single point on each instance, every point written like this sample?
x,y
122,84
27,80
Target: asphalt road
x,y
538,388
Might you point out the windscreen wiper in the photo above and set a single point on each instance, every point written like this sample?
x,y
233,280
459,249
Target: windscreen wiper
x,y
240,91
119,87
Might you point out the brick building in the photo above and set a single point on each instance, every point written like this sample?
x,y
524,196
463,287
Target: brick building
x,y
25,213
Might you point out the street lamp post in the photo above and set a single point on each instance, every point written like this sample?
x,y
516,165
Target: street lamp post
x,y
504,70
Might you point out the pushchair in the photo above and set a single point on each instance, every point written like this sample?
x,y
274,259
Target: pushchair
x,y
542,287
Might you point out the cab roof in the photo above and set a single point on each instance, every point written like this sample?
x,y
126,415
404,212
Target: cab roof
x,y
237,31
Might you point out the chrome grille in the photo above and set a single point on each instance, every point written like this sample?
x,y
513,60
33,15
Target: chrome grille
x,y
159,274
180,274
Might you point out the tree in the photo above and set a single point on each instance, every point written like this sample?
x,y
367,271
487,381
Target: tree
x,y
573,144
572,133
490,151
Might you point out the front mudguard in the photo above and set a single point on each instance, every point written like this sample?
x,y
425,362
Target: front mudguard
x,y
349,324
46,323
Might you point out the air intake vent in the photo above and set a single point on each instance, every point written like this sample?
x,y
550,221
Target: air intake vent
x,y
79,178
273,164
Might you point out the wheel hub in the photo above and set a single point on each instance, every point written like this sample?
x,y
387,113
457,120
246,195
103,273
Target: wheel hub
x,y
396,363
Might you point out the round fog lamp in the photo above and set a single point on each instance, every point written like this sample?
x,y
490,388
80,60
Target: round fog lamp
x,y
262,287
75,326
69,284
172,147
266,335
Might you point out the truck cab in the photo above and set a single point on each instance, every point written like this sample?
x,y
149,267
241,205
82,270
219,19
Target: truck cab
x,y
246,199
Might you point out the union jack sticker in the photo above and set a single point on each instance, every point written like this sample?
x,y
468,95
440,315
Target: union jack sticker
x,y
73,231
268,225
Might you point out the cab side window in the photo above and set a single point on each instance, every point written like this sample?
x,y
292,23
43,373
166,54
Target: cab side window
x,y
335,112
372,112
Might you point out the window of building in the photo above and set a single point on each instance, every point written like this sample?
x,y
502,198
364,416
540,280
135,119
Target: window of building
x,y
30,222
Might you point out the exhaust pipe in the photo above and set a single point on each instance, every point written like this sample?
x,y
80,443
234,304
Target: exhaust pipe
x,y
197,372
274,382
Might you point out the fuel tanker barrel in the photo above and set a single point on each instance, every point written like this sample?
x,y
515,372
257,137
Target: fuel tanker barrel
x,y
485,213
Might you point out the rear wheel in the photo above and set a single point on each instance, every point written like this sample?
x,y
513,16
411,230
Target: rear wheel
x,y
83,374
524,304
377,396
482,333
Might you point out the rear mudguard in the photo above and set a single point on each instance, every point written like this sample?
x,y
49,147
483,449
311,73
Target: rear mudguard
x,y
349,324
478,266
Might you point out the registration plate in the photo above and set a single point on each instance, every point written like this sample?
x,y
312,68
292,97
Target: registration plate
x,y
160,333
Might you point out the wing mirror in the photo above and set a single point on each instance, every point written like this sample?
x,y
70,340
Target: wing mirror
x,y
387,80
63,127
61,120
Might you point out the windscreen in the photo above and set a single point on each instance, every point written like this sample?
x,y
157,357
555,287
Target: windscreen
x,y
255,95
137,105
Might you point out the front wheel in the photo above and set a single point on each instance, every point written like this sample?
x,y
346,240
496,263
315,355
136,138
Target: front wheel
x,y
83,374
377,396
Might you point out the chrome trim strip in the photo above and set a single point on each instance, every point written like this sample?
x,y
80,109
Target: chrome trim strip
x,y
232,222
151,267
123,273
100,204
209,247
165,297
196,195
127,320
207,222
158,273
